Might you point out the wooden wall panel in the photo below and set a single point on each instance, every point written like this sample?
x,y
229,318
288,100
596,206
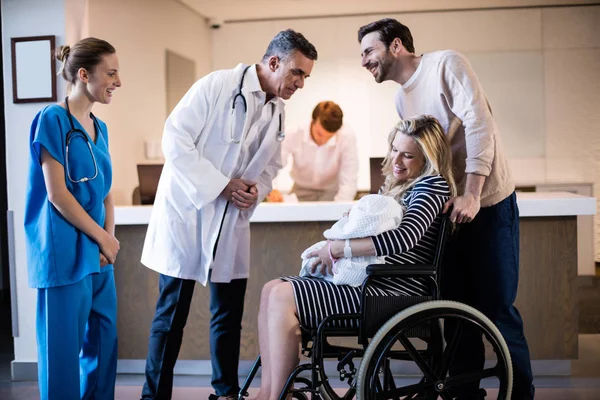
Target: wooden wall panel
x,y
276,249
546,297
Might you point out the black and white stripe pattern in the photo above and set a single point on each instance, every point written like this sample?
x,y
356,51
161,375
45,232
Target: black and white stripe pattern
x,y
413,242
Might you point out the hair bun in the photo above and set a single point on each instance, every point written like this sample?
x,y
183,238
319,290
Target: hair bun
x,y
63,52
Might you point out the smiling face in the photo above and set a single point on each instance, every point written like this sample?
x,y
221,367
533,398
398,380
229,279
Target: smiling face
x,y
289,74
407,158
375,57
104,79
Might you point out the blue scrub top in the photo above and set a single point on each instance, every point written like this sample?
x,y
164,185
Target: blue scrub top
x,y
58,253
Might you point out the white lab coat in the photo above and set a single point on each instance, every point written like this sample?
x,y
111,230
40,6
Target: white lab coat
x,y
199,162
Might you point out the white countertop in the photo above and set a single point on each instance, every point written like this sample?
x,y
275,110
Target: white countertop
x,y
542,204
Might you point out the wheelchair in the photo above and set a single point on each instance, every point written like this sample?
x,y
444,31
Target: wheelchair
x,y
393,331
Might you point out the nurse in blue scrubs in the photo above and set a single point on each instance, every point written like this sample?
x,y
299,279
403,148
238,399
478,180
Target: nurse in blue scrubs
x,y
69,226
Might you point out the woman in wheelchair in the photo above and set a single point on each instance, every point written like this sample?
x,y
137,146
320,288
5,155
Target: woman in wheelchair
x,y
418,174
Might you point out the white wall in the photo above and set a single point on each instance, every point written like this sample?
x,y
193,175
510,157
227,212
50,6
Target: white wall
x,y
560,45
142,31
76,20
539,68
572,101
504,46
244,10
138,111
24,18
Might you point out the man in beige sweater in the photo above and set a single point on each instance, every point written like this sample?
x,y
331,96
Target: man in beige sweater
x,y
483,269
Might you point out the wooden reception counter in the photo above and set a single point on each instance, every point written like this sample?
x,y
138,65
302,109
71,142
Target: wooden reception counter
x,y
280,232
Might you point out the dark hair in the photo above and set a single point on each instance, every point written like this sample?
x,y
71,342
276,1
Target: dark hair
x,y
389,29
285,42
329,114
87,53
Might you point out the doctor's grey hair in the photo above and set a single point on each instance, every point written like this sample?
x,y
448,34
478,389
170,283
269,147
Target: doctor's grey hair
x,y
286,42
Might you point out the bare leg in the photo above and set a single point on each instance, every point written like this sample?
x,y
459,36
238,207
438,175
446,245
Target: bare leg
x,y
284,336
263,340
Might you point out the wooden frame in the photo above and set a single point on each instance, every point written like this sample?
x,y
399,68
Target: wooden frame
x,y
33,69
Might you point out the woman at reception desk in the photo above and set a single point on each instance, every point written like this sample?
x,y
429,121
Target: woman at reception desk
x,y
325,158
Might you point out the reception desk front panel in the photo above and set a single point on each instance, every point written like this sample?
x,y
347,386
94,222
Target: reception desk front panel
x,y
280,232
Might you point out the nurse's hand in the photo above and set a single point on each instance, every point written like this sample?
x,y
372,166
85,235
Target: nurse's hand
x,y
109,247
235,185
244,200
103,261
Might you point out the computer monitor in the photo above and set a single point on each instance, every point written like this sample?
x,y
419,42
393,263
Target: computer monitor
x,y
148,175
377,178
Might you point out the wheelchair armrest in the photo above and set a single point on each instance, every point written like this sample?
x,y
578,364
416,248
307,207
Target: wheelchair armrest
x,y
397,270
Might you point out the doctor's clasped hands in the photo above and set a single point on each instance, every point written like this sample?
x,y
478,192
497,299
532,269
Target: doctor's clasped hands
x,y
242,193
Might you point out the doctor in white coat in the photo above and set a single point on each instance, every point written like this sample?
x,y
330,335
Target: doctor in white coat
x,y
222,150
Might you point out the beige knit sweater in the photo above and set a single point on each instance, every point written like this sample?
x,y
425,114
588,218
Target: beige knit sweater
x,y
445,86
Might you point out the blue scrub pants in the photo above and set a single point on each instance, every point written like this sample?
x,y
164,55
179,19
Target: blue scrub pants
x,y
77,339
481,269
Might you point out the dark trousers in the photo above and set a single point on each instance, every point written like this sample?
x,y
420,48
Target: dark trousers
x,y
166,334
481,269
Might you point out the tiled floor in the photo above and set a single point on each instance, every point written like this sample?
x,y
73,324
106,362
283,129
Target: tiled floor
x,y
189,388
584,384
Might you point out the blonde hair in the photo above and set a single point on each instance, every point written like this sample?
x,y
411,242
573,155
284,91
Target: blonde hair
x,y
429,136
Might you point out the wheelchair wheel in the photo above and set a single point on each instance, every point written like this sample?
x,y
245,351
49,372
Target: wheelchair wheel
x,y
299,396
301,383
375,381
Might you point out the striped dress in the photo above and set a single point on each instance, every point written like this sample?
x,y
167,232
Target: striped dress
x,y
413,242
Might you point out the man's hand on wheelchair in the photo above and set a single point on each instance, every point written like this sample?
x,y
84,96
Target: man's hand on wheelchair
x,y
323,261
464,208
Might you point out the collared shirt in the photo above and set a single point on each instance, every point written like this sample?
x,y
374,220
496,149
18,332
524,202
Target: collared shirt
x,y
334,164
260,112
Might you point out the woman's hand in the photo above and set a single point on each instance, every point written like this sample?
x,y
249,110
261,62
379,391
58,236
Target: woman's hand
x,y
323,261
103,261
109,247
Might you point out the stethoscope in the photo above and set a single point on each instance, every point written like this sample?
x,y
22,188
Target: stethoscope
x,y
280,133
75,132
